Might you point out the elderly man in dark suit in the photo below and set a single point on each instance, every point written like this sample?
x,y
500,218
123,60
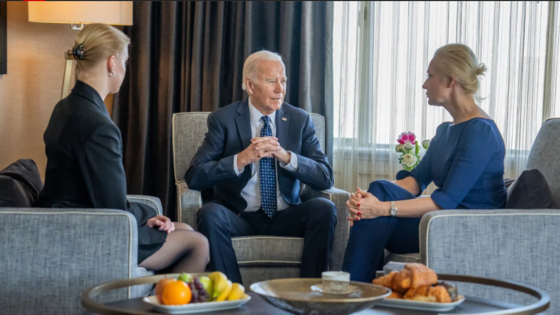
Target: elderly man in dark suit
x,y
255,155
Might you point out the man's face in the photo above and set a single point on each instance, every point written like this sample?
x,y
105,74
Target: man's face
x,y
268,91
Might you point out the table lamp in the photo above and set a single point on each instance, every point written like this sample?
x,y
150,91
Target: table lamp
x,y
78,13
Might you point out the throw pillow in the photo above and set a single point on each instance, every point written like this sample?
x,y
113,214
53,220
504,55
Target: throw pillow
x,y
20,184
530,191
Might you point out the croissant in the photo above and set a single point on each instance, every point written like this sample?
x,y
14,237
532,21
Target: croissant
x,y
386,280
411,277
395,295
419,294
402,281
428,293
421,275
441,294
417,282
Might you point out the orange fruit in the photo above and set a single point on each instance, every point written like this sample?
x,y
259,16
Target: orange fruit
x,y
176,293
159,288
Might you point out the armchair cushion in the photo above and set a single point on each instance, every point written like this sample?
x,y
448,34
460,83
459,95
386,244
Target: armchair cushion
x,y
405,258
268,250
530,191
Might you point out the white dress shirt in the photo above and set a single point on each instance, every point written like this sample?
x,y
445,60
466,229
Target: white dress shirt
x,y
252,191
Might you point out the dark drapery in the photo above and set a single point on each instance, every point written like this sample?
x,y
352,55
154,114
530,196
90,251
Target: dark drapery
x,y
188,56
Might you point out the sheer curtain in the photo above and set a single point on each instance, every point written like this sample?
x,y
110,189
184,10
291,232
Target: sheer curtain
x,y
381,52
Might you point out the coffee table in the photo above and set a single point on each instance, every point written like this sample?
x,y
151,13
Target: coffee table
x,y
257,305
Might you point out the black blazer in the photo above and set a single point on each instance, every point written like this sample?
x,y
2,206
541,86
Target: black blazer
x,y
229,133
84,161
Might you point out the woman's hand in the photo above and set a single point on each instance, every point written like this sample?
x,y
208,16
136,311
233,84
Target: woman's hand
x,y
363,205
164,223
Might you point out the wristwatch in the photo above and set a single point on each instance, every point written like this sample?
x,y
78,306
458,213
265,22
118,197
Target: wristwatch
x,y
393,210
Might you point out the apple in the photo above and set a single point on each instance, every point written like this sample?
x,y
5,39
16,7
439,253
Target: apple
x,y
207,284
185,277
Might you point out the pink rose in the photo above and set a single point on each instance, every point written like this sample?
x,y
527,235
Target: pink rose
x,y
406,137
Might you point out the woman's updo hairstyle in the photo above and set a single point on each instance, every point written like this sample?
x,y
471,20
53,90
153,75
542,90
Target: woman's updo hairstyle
x,y
97,42
460,62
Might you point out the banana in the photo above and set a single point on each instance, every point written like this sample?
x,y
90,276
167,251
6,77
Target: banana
x,y
220,284
237,292
225,292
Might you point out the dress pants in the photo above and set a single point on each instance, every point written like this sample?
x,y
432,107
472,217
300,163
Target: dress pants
x,y
369,237
314,220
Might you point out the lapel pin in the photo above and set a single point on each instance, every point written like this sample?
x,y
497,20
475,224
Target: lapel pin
x,y
284,119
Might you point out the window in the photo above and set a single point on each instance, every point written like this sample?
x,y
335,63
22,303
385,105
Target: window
x,y
381,52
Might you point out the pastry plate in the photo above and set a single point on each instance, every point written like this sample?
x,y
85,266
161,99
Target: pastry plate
x,y
421,306
195,307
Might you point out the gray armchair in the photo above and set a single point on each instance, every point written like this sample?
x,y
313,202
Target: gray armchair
x,y
50,256
281,257
514,245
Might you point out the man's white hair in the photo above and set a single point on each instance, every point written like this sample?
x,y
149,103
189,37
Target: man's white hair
x,y
250,68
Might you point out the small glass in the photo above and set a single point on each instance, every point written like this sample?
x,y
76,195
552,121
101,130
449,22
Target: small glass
x,y
335,281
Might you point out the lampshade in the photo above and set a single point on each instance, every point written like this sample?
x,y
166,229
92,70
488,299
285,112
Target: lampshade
x,y
77,12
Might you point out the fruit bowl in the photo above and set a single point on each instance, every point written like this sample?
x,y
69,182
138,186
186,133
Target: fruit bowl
x,y
187,293
296,296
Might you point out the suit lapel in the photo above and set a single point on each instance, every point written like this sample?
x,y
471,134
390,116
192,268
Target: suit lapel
x,y
282,127
243,122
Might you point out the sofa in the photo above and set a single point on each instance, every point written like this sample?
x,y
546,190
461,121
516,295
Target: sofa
x,y
259,257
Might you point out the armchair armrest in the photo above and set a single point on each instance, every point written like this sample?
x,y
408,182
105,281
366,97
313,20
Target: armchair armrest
x,y
342,231
189,201
153,202
511,245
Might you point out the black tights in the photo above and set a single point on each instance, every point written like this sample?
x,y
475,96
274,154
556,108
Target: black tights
x,y
184,251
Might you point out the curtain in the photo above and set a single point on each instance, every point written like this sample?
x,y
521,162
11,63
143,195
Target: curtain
x,y
381,55
188,56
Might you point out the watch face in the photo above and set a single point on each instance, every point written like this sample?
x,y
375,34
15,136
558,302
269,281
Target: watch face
x,y
393,212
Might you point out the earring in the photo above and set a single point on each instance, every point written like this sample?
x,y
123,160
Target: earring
x,y
111,73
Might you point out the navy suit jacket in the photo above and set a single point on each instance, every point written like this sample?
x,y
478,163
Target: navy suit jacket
x,y
229,133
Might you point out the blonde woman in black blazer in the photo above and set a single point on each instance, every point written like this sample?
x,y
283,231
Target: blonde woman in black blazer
x,y
84,151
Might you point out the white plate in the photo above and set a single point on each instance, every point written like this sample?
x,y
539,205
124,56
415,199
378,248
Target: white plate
x,y
195,307
421,306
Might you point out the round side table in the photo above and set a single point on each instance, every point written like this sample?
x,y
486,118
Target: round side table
x,y
471,306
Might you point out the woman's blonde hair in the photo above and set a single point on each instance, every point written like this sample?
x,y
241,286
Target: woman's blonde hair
x,y
460,62
99,42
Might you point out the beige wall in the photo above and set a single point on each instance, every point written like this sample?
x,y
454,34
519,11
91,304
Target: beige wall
x,y
32,87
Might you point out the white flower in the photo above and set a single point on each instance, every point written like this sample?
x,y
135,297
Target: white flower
x,y
409,146
399,148
426,144
409,160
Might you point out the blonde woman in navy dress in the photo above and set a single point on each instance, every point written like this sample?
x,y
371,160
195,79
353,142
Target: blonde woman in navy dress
x,y
465,161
